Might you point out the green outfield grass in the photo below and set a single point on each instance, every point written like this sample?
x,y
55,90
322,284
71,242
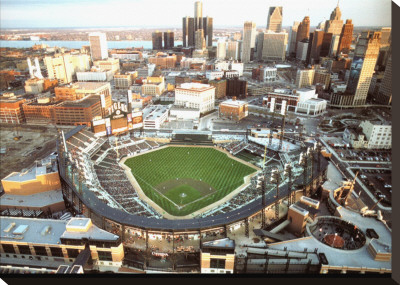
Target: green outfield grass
x,y
205,175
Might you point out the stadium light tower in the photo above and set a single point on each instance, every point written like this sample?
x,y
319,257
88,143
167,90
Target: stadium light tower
x,y
310,156
317,150
288,173
283,113
304,163
261,184
275,177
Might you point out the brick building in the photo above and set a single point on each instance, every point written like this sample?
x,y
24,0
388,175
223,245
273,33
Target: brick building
x,y
234,109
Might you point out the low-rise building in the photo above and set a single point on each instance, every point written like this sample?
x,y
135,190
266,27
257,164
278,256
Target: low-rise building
x,y
234,109
155,115
220,87
11,111
218,256
108,64
122,81
51,243
378,134
95,74
163,60
196,95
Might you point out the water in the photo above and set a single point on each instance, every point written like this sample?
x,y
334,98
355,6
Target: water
x,y
79,44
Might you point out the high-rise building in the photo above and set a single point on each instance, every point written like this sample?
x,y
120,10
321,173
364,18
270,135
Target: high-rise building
x,y
334,45
249,37
302,48
385,39
168,40
326,44
60,67
363,66
346,36
274,22
321,26
233,50
185,31
303,31
98,46
221,49
274,46
259,45
292,38
191,31
198,15
316,45
385,89
157,40
335,24
208,30
200,42
304,77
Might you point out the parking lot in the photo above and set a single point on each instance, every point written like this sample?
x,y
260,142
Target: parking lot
x,y
373,156
379,182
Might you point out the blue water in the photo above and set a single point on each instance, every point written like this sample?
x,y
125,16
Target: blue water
x,y
79,44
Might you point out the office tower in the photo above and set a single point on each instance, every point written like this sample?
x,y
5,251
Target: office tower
x,y
334,45
363,66
233,50
274,46
303,31
198,15
292,38
259,45
316,45
221,49
191,32
335,24
326,44
249,36
200,42
304,77
321,26
185,31
274,22
98,46
346,37
157,40
310,44
302,48
60,67
385,39
237,36
168,40
385,89
208,30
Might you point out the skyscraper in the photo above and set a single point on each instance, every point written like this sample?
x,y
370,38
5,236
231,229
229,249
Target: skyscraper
x,y
274,22
221,49
199,39
292,38
363,66
259,45
335,24
168,40
346,36
191,25
334,45
249,37
303,31
385,39
326,44
98,46
385,89
185,31
191,32
274,46
198,15
208,30
157,40
233,50
316,45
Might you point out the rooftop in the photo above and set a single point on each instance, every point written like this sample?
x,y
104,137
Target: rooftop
x,y
46,231
235,103
87,85
84,103
38,200
195,86
225,243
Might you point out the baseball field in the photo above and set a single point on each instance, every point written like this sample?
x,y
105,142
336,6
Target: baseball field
x,y
182,180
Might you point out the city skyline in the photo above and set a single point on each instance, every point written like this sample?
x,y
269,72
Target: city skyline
x,y
29,14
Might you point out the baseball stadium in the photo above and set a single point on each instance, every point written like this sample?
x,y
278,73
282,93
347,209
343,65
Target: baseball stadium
x,y
183,190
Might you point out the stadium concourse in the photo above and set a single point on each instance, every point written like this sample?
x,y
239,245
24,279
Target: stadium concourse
x,y
94,185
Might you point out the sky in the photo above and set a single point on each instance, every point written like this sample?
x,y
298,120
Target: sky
x,y
168,14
